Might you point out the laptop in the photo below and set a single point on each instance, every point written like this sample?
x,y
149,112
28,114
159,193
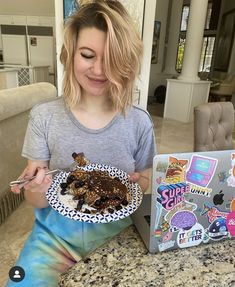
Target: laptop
x,y
192,201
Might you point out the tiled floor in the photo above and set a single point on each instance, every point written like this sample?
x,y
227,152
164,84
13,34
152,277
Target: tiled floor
x,y
170,136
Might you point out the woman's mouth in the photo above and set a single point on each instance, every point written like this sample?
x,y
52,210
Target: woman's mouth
x,y
97,80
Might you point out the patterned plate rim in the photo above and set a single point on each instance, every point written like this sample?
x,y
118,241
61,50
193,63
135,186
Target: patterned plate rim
x,y
69,212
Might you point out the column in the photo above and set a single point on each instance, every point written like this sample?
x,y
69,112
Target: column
x,y
187,92
173,36
59,19
194,39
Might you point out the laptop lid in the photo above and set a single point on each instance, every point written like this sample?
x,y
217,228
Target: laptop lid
x,y
192,201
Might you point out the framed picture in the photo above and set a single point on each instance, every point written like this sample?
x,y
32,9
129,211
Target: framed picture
x,y
225,42
156,38
70,6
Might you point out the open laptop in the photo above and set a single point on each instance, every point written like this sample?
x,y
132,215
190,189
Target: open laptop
x,y
192,200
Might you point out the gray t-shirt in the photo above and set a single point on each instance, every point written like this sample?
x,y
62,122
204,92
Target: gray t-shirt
x,y
53,134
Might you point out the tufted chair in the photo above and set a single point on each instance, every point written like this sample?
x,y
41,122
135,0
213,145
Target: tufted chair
x,y
213,126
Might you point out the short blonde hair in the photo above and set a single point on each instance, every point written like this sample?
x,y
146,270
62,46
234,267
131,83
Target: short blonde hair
x,y
122,55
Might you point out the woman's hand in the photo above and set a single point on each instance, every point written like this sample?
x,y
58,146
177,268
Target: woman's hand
x,y
39,183
143,178
36,188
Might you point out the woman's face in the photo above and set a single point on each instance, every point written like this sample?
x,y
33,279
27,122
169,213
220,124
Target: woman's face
x,y
88,62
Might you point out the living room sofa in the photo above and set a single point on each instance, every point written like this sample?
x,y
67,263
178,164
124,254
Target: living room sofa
x,y
15,104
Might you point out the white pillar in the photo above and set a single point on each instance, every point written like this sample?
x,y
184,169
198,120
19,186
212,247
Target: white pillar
x,y
59,19
173,36
194,40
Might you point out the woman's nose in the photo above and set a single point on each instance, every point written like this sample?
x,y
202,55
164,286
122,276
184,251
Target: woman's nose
x,y
98,67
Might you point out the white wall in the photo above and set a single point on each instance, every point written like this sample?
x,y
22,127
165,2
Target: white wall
x,y
156,76
27,7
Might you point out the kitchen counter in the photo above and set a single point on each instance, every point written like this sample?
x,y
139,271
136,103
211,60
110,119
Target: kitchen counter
x,y
125,262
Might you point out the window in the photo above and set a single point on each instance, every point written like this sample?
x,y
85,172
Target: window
x,y
207,52
208,40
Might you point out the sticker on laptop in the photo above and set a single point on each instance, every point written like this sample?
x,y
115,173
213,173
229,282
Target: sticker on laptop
x,y
183,220
199,190
232,205
231,178
176,170
201,170
161,166
166,245
158,209
230,223
172,194
165,225
222,176
212,212
191,237
184,205
218,229
167,236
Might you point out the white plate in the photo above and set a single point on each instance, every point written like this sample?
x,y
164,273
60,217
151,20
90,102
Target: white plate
x,y
65,204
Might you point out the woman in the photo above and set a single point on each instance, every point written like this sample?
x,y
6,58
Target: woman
x,y
101,57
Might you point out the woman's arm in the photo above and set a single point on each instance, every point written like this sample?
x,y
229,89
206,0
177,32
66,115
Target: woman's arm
x,y
143,178
35,190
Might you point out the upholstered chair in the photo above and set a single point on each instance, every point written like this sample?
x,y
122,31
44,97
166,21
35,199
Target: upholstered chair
x,y
213,126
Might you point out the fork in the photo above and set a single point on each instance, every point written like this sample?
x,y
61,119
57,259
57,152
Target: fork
x,y
24,180
72,167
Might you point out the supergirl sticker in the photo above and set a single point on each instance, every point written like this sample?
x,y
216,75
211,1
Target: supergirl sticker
x,y
191,237
172,194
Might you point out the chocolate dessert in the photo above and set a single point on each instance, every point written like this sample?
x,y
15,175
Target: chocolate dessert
x,y
94,191
80,159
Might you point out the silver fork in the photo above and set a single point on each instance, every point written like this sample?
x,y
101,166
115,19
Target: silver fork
x,y
25,180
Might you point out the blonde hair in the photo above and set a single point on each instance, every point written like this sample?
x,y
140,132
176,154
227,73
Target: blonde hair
x,y
122,54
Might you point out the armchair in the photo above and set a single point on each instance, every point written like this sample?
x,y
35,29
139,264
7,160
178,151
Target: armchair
x,y
213,126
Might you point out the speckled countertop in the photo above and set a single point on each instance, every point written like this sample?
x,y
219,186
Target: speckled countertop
x,y
125,262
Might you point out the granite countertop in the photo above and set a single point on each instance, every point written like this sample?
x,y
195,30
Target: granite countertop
x,y
125,262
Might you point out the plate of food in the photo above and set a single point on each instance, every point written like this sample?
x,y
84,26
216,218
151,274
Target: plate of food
x,y
94,193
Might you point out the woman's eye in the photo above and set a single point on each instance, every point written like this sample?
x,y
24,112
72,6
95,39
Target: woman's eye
x,y
87,56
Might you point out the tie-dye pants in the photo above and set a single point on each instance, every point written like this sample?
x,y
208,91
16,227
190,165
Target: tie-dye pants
x,y
57,243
